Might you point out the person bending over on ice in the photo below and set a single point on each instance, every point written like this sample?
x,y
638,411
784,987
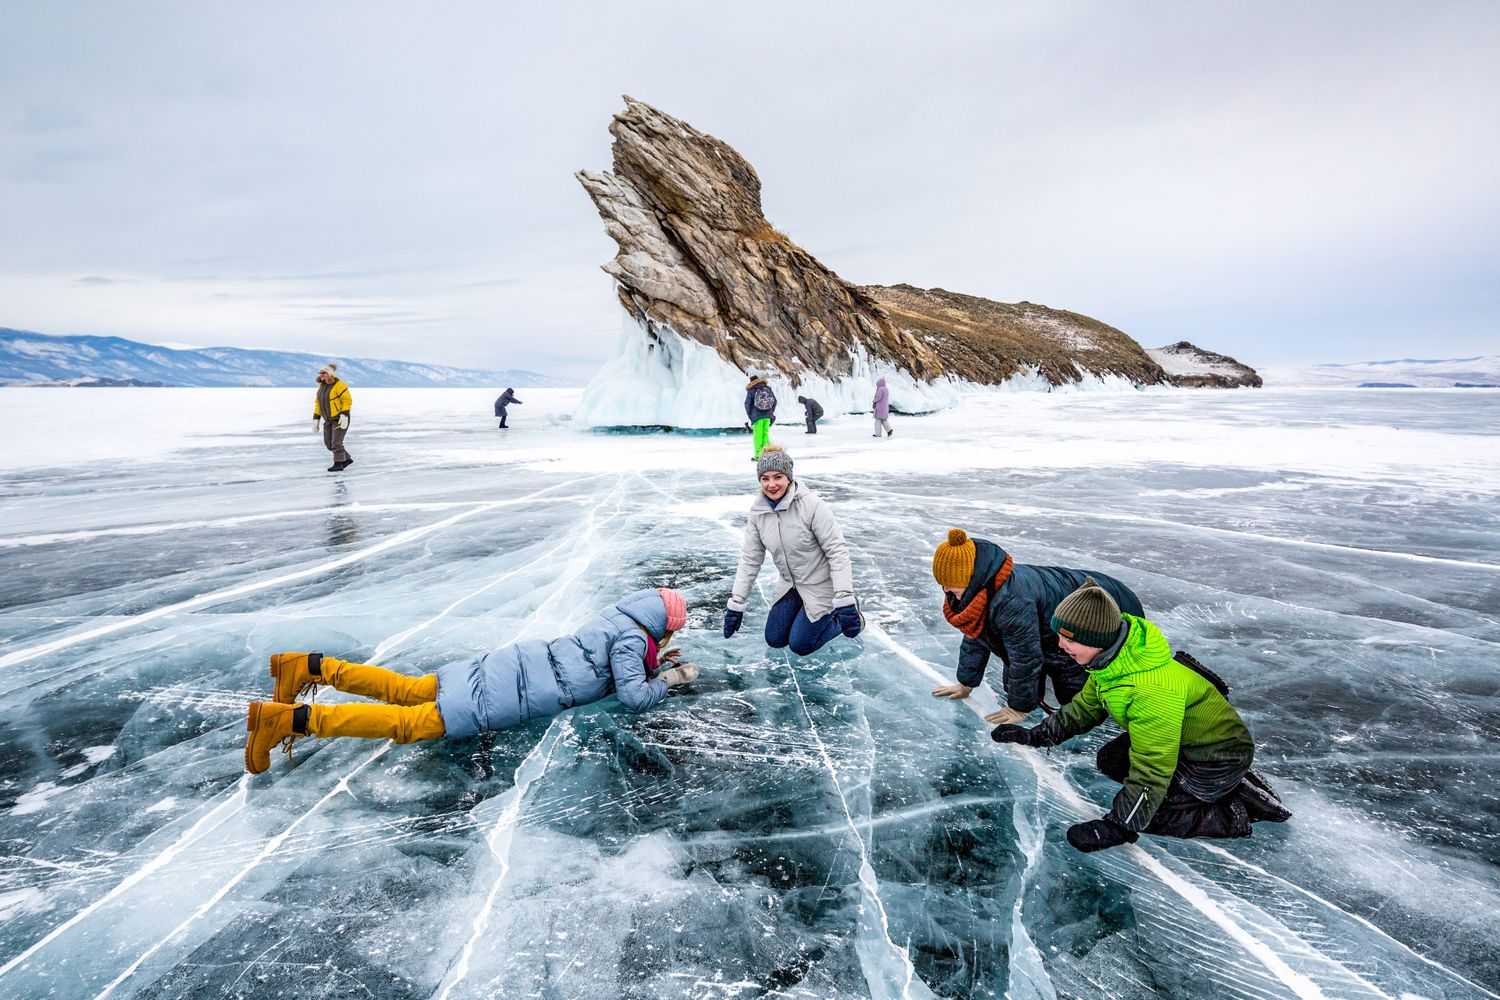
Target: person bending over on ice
x,y
1005,608
812,411
1184,758
619,651
760,410
815,600
501,402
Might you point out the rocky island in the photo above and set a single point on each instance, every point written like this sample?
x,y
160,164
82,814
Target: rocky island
x,y
713,290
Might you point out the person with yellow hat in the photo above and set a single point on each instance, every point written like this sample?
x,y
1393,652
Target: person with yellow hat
x,y
1005,608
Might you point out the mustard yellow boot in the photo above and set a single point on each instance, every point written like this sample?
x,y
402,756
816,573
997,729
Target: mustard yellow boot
x,y
269,724
398,723
292,674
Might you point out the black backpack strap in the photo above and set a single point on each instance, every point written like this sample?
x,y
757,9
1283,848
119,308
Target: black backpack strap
x,y
1190,661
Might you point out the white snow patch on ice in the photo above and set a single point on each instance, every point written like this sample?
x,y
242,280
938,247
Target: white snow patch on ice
x,y
36,799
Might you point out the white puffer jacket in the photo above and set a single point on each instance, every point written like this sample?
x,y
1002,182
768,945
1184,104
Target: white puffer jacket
x,y
807,548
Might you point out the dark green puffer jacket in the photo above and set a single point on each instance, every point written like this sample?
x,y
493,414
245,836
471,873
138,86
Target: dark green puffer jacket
x,y
1169,710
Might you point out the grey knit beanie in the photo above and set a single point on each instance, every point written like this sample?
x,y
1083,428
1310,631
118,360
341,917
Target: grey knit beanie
x,y
773,459
1089,616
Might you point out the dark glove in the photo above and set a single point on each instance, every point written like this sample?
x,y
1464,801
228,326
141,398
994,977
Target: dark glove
x,y
1024,735
1098,834
849,619
732,621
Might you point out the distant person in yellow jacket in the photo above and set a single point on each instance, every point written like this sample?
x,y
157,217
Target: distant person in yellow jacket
x,y
331,411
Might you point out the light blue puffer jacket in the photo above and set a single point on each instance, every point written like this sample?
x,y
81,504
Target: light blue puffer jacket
x,y
606,656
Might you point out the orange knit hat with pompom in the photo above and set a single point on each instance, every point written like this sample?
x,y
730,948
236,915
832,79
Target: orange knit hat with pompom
x,y
953,563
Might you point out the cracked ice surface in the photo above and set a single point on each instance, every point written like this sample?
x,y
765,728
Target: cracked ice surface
x,y
818,827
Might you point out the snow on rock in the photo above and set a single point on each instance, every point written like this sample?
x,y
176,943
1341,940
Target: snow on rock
x,y
1188,366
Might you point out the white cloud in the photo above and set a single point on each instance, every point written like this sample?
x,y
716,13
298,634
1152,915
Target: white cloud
x,y
1276,181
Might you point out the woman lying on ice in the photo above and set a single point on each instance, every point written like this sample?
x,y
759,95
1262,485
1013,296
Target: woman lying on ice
x,y
815,599
1184,758
1005,608
614,653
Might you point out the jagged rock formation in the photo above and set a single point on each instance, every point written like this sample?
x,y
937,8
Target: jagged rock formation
x,y
1194,368
697,255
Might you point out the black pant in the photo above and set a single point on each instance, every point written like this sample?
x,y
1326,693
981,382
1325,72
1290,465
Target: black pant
x,y
500,412
1201,801
812,425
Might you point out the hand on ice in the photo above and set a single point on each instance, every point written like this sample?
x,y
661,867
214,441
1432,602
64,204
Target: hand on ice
x,y
732,620
676,676
956,692
1014,734
1005,714
1097,834
669,656
850,620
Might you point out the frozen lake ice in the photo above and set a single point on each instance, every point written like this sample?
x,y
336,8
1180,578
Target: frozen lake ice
x,y
817,827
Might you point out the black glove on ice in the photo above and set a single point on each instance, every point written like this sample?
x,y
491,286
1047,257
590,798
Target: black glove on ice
x,y
1024,735
1097,834
849,619
732,621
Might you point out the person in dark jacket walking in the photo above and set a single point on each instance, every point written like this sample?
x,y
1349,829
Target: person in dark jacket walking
x,y
1005,608
760,410
505,399
332,408
1184,758
619,651
814,413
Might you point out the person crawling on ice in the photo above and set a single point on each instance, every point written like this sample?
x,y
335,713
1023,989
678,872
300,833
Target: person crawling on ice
x,y
1184,758
815,599
621,651
1004,607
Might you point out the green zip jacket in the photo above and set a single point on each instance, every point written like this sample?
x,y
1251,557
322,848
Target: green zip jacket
x,y
1169,710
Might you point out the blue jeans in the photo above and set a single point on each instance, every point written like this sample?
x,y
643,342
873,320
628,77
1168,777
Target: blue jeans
x,y
788,625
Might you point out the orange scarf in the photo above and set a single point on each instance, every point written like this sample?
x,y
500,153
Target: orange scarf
x,y
970,619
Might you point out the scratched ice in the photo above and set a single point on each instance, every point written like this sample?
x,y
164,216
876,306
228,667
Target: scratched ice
x,y
813,828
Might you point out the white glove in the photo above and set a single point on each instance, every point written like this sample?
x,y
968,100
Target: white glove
x,y
316,428
683,673
343,421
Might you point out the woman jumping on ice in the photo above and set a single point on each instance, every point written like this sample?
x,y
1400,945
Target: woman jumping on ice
x,y
815,599
622,651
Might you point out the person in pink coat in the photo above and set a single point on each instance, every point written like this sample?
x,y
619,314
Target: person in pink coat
x,y
882,408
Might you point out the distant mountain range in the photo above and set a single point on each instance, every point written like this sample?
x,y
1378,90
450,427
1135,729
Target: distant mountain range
x,y
28,358
1396,373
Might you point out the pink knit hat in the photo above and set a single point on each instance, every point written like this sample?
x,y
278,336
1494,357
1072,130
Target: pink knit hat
x,y
676,608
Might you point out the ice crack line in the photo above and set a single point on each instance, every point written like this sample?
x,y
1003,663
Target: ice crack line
x,y
908,983
203,600
1300,985
233,802
499,840
223,890
535,764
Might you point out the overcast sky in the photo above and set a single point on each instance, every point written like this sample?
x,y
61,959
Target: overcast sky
x,y
1280,182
